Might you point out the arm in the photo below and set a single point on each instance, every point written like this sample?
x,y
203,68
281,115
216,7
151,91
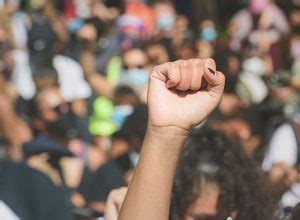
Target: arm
x,y
99,84
12,128
114,203
176,104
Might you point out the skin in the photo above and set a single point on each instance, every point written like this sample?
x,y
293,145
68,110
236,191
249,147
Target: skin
x,y
134,58
206,204
12,129
114,203
176,104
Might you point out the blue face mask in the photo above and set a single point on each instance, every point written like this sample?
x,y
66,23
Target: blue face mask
x,y
208,34
121,112
135,78
165,22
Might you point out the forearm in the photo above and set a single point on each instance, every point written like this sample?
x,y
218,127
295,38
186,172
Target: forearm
x,y
149,193
100,85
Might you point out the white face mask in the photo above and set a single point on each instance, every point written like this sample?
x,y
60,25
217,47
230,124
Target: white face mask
x,y
254,65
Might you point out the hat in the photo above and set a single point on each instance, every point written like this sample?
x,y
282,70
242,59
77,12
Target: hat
x,y
41,41
43,144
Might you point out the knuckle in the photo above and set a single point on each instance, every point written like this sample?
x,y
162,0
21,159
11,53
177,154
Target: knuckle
x,y
222,76
196,61
171,66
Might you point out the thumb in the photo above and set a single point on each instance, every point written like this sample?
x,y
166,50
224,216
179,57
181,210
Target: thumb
x,y
169,73
214,78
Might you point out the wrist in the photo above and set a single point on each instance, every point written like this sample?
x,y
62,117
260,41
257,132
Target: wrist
x,y
167,131
167,140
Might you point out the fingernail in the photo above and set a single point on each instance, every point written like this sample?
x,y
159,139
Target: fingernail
x,y
211,70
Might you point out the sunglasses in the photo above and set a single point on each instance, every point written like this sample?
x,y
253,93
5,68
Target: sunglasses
x,y
125,67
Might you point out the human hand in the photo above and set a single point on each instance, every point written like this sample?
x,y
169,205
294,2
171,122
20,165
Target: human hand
x,y
114,203
177,96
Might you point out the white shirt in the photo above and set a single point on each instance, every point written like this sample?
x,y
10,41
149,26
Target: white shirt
x,y
6,213
71,78
21,75
283,148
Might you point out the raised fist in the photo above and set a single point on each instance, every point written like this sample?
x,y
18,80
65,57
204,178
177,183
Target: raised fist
x,y
183,93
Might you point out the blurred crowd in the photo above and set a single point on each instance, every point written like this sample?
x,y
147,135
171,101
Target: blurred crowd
x,y
73,88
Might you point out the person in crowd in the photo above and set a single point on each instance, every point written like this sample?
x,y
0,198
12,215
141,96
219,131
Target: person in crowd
x,y
117,172
176,104
281,162
114,203
26,193
209,183
262,26
77,71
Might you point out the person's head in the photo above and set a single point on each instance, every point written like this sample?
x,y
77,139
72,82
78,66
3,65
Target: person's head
x,y
135,70
125,96
51,115
186,50
207,31
216,180
46,101
134,58
44,155
91,31
258,6
182,22
229,62
12,6
165,15
231,104
157,53
134,128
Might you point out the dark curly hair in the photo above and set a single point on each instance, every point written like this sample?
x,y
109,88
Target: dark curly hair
x,y
211,158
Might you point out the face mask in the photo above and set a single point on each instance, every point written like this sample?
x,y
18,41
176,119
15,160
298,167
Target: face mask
x,y
120,114
208,34
135,78
165,22
134,158
65,126
254,65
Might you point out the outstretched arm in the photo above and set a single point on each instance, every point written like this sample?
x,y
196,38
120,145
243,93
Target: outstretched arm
x,y
177,101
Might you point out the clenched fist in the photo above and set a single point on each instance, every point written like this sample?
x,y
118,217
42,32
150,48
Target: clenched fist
x,y
183,93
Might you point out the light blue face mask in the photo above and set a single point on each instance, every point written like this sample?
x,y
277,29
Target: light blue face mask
x,y
120,114
135,78
208,34
165,22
